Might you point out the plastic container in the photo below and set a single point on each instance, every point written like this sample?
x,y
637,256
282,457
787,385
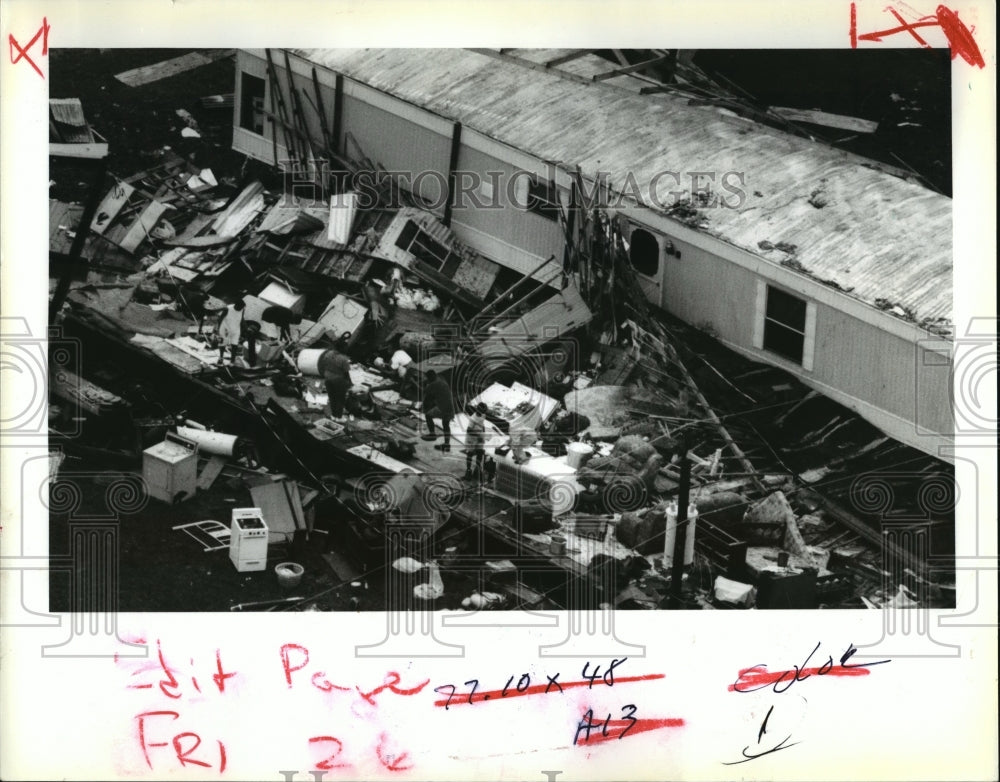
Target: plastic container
x,y
289,574
577,454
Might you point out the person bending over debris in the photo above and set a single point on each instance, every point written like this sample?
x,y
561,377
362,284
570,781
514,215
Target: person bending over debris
x,y
475,443
438,402
231,329
335,367
194,301
283,318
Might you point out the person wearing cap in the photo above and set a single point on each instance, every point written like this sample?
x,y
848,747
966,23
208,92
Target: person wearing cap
x,y
335,367
283,318
475,443
438,402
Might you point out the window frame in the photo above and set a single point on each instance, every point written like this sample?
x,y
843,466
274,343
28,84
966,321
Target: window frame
x,y
427,244
247,110
655,274
544,204
761,320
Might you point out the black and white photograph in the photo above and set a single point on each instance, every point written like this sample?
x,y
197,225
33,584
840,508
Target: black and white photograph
x,y
505,329
528,391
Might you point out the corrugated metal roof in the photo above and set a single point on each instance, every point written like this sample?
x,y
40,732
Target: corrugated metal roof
x,y
68,111
875,236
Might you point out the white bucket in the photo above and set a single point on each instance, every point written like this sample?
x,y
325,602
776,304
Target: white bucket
x,y
308,361
209,442
577,454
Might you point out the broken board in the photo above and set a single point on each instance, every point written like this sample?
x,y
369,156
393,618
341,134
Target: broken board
x,y
147,74
279,505
109,208
211,471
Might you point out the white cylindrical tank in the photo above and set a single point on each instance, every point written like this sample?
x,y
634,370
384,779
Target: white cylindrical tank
x,y
689,536
210,442
308,361
671,535
670,538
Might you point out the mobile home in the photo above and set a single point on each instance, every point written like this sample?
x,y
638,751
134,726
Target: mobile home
x,y
789,251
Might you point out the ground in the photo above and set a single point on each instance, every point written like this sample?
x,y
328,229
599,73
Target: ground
x,y
139,122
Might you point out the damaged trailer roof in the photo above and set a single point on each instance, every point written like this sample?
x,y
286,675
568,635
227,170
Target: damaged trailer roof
x,y
823,212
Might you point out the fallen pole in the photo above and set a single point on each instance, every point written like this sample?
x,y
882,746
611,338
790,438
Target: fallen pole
x,y
265,603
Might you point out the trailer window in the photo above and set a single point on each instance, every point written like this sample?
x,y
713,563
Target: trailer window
x,y
252,103
644,252
543,198
423,247
785,324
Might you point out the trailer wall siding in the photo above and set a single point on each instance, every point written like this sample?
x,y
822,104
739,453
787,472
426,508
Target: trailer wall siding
x,y
498,227
902,385
416,155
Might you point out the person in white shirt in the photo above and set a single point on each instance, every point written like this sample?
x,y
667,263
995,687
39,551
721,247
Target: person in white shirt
x,y
231,330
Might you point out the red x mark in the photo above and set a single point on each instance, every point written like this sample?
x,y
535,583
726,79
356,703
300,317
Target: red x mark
x,y
959,36
22,52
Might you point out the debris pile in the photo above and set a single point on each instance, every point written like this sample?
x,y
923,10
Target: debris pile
x,y
572,433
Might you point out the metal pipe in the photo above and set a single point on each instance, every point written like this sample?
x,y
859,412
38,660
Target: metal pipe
x,y
684,493
499,298
518,302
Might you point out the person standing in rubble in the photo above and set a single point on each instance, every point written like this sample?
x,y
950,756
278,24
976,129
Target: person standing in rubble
x,y
335,367
438,402
231,330
194,300
475,444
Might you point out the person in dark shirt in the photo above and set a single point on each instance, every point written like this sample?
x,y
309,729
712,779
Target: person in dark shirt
x,y
194,301
335,367
438,402
283,318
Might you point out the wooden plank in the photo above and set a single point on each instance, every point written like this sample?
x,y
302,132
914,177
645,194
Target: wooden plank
x,y
826,119
93,151
164,69
573,54
639,66
142,226
321,110
109,208
456,143
211,471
